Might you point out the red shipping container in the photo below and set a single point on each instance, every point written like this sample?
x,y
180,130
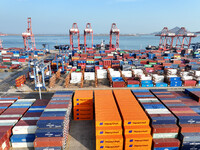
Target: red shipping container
x,y
165,128
118,84
189,83
189,128
48,142
133,82
107,62
168,142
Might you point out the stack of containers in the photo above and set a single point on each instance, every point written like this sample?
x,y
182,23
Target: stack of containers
x,y
24,130
76,77
108,122
174,81
53,125
163,123
89,76
83,105
19,139
194,93
101,74
127,73
196,75
5,125
137,132
187,79
189,121
131,82
146,81
118,82
158,80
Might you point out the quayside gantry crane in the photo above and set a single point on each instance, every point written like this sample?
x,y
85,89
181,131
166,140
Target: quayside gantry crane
x,y
88,32
74,31
28,35
183,38
114,31
166,39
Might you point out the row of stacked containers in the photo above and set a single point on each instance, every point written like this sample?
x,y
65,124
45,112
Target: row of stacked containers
x,y
143,119
12,58
145,68
28,123
53,125
124,119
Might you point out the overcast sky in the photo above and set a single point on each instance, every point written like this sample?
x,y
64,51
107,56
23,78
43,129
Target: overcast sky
x,y
131,16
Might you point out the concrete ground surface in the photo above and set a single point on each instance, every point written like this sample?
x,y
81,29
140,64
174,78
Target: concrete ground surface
x,y
81,135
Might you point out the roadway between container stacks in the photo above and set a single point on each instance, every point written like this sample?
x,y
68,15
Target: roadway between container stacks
x,y
10,81
81,135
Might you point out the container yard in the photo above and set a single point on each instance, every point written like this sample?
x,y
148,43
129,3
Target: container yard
x,y
101,119
92,97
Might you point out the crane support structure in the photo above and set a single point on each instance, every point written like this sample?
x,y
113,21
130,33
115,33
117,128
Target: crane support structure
x,y
184,39
88,32
166,39
28,35
74,31
114,31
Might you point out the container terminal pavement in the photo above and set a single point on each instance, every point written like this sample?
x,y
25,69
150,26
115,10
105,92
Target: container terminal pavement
x,y
155,119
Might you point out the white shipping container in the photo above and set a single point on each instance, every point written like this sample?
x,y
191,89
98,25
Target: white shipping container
x,y
30,118
158,78
115,74
24,129
75,77
143,77
187,78
197,73
22,144
101,74
137,71
89,76
127,73
26,100
172,71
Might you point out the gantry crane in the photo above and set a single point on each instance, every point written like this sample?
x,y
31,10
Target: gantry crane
x,y
88,32
166,39
74,31
28,35
183,38
114,31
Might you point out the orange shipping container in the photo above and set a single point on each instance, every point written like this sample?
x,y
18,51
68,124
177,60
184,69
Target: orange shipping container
x,y
115,130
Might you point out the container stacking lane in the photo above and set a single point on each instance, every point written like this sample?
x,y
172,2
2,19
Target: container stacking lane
x,y
164,124
187,111
137,132
108,123
53,125
24,131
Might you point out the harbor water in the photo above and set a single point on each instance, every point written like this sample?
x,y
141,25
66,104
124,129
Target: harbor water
x,y
125,42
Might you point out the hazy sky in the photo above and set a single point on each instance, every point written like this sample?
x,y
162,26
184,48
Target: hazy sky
x,y
131,16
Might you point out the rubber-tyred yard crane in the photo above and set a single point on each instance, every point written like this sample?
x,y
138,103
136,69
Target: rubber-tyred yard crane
x,y
114,31
28,35
88,32
74,31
